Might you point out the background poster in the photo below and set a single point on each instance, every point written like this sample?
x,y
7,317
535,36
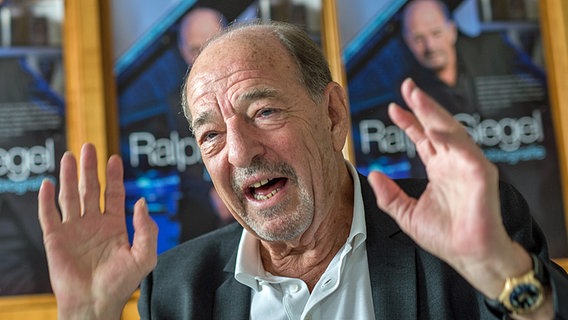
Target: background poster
x,y
161,158
500,96
32,136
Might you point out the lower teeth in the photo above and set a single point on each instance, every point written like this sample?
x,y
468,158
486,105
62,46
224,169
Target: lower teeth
x,y
266,197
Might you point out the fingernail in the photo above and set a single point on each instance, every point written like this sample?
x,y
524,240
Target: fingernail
x,y
143,204
371,182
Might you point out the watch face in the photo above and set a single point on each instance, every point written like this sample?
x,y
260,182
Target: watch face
x,y
525,296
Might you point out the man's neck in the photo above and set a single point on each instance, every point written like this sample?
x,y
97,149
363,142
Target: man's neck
x,y
449,74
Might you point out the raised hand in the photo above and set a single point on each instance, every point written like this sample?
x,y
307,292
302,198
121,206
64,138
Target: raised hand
x,y
458,216
93,268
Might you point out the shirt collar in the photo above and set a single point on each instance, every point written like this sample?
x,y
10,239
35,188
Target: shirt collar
x,y
358,233
249,268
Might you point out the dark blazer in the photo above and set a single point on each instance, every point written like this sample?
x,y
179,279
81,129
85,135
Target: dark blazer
x,y
196,280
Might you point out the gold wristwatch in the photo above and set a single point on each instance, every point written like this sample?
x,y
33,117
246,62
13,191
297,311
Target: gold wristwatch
x,y
524,293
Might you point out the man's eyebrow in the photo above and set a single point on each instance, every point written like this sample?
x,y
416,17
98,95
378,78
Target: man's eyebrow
x,y
200,120
256,94
246,97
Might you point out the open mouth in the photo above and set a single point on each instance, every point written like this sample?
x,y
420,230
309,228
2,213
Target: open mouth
x,y
266,189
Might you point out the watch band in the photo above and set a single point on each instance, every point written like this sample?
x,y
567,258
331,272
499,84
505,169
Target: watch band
x,y
539,270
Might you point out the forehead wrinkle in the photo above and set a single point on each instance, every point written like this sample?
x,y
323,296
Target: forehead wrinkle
x,y
203,88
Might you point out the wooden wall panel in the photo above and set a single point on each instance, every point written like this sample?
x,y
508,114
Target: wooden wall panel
x,y
554,25
332,50
44,307
90,87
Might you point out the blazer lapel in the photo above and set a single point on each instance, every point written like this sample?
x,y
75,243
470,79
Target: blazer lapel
x,y
392,263
232,301
232,298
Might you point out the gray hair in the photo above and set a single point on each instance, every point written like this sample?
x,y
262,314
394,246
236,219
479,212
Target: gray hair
x,y
313,69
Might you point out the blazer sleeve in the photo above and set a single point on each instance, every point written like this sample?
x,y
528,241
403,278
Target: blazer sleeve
x,y
523,229
144,298
559,285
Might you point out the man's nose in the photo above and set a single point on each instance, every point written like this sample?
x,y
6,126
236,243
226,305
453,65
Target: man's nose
x,y
427,44
243,142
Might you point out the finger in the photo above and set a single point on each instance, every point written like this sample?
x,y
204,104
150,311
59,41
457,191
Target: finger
x,y
392,199
48,214
408,122
437,123
68,192
461,144
89,187
442,132
114,193
430,114
145,242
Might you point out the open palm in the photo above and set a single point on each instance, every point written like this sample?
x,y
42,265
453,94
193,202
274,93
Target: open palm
x,y
92,266
458,217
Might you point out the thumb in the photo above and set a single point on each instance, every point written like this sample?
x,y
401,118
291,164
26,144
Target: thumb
x,y
392,199
145,242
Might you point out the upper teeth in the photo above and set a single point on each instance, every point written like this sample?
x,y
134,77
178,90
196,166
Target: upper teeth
x,y
267,196
260,183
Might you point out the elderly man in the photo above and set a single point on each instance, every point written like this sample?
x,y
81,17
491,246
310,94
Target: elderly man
x,y
313,241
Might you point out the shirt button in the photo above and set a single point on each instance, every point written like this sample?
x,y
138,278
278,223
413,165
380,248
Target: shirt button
x,y
294,288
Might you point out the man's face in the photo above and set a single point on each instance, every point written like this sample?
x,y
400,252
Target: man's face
x,y
201,26
263,140
430,36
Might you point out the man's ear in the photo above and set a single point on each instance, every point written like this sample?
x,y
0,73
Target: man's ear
x,y
338,113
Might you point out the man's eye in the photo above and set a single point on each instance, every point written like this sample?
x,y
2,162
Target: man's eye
x,y
209,136
266,112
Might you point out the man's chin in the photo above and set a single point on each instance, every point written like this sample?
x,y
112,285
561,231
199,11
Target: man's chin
x,y
279,231
436,65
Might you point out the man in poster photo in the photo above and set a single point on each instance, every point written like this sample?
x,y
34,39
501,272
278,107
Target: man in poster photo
x,y
195,28
455,60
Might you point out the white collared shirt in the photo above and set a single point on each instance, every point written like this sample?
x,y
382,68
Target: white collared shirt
x,y
342,292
